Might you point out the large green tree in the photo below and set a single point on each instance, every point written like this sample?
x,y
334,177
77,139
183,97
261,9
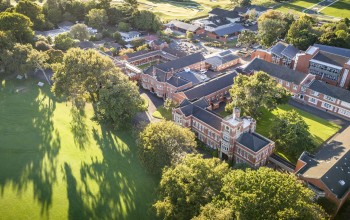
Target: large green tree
x,y
301,33
256,91
16,59
267,194
33,11
241,3
162,144
81,75
18,25
97,18
247,38
147,20
64,42
80,32
291,134
186,187
119,99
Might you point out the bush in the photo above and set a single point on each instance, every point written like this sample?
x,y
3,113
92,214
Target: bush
x,y
42,46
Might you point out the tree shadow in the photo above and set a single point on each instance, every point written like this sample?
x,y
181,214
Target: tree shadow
x,y
79,128
29,144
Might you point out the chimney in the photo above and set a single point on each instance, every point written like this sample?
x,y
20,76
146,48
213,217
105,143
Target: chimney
x,y
154,72
236,113
252,125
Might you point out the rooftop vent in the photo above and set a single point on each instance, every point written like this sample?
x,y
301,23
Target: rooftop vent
x,y
341,182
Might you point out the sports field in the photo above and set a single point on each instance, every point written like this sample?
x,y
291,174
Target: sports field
x,y
59,164
340,8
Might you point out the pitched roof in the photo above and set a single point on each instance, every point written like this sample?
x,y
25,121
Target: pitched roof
x,y
278,48
161,76
207,117
218,11
211,86
183,25
222,31
327,89
280,72
252,141
220,60
191,76
137,53
290,51
335,50
177,81
242,10
331,58
331,164
181,62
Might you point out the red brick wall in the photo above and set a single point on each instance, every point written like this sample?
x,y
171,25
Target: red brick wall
x,y
262,55
302,64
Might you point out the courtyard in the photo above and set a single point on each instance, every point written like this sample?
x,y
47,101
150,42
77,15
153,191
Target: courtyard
x,y
56,163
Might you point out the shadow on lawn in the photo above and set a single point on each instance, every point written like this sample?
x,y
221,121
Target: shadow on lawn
x,y
79,128
30,143
116,195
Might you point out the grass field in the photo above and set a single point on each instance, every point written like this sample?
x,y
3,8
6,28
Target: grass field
x,y
338,9
162,113
320,129
58,164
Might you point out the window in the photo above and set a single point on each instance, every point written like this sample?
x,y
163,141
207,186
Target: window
x,y
329,98
313,100
344,112
295,87
314,93
327,106
280,82
287,84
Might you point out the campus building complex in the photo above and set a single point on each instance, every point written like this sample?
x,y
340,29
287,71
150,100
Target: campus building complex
x,y
329,64
233,136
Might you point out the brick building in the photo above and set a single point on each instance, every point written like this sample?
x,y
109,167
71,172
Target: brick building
x,y
234,136
327,173
225,32
281,53
306,88
329,64
166,78
222,60
185,27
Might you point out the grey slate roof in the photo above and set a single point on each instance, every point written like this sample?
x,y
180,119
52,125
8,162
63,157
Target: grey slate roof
x,y
335,50
183,25
217,60
290,51
234,28
211,86
252,141
207,117
278,48
177,81
330,90
331,58
280,72
181,62
190,77
160,75
137,53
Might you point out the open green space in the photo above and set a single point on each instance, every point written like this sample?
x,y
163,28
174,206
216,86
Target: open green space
x,y
338,9
320,129
163,113
59,164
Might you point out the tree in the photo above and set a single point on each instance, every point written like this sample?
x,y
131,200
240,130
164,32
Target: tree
x,y
97,18
247,38
241,3
42,45
142,47
267,194
18,25
163,143
189,35
146,20
33,11
15,60
256,91
269,31
4,4
301,34
122,26
335,34
291,134
117,36
125,51
89,68
186,187
80,32
105,4
119,100
64,42
55,56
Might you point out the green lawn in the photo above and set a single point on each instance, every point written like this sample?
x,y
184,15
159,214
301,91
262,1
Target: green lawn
x,y
162,113
320,129
58,164
339,9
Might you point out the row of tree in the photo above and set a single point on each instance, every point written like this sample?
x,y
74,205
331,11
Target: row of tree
x,y
198,188
301,32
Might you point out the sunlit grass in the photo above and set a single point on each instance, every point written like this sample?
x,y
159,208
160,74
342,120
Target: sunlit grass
x,y
59,164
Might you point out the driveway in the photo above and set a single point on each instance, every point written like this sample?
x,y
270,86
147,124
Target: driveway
x,y
153,103
322,114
